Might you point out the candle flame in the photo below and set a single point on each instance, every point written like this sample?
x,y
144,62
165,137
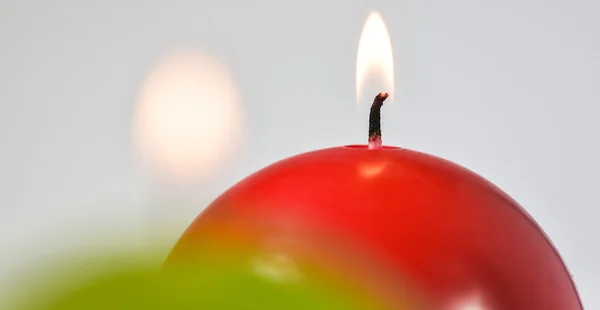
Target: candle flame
x,y
374,60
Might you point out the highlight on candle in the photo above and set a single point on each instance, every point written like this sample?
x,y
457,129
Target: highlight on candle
x,y
374,60
187,118
470,302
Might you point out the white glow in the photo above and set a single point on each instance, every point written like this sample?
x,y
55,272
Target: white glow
x,y
374,59
473,302
187,116
470,306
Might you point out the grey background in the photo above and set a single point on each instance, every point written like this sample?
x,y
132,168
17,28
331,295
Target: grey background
x,y
506,88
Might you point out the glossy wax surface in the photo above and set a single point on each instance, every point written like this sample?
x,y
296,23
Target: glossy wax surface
x,y
391,220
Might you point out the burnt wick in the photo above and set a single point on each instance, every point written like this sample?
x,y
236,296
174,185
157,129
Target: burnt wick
x,y
375,121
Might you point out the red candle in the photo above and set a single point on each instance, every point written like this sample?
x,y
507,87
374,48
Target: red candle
x,y
403,225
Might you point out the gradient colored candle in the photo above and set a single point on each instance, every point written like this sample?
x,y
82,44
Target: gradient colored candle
x,y
372,227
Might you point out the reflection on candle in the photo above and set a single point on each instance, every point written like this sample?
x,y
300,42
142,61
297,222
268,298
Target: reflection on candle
x,y
277,267
371,169
473,302
187,116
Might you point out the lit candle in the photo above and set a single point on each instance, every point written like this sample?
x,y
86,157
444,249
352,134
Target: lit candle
x,y
397,228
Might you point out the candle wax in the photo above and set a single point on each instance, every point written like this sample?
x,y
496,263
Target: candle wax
x,y
404,226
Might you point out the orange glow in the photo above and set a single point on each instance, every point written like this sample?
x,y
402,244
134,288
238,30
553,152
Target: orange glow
x,y
374,61
369,170
187,118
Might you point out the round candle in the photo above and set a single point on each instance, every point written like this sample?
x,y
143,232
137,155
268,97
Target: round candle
x,y
399,226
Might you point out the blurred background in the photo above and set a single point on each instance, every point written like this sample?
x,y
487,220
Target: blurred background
x,y
508,89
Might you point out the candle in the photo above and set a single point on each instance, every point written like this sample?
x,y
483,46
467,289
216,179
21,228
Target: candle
x,y
399,225
375,227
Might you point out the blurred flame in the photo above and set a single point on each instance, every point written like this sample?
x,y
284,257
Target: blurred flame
x,y
187,116
374,59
